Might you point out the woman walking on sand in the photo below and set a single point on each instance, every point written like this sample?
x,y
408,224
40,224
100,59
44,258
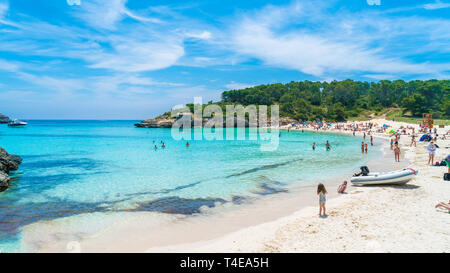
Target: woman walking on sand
x,y
397,153
322,192
431,152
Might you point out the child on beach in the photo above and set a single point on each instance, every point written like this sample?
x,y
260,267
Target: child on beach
x,y
365,145
342,187
322,192
431,152
397,153
392,143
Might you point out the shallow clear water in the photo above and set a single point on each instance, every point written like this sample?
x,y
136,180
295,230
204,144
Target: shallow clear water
x,y
75,167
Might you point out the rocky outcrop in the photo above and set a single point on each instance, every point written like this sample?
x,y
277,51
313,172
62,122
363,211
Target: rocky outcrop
x,y
165,121
4,119
7,163
156,123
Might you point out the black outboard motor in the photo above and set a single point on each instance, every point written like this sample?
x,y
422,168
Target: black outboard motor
x,y
364,171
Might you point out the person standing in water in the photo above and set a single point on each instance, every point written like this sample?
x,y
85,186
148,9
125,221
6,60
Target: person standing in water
x,y
322,192
362,146
328,146
187,144
314,146
365,147
371,140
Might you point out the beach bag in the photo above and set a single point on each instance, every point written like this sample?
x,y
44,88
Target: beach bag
x,y
447,177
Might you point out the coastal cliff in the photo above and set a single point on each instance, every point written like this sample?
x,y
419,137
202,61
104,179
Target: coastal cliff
x,y
166,122
8,163
4,119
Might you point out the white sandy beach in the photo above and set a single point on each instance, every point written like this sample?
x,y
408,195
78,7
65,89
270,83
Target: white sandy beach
x,y
366,219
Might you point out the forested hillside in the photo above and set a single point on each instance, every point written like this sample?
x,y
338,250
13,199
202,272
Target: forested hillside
x,y
340,100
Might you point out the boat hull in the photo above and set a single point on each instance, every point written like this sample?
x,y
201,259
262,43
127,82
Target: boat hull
x,y
390,178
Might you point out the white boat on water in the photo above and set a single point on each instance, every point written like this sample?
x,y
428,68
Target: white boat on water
x,y
382,178
17,123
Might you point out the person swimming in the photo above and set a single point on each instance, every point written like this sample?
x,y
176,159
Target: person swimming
x,y
328,146
187,144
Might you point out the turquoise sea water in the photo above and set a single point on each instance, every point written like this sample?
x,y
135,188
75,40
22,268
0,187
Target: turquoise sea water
x,y
76,167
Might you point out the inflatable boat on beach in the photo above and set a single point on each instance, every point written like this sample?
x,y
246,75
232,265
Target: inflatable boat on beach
x,y
385,178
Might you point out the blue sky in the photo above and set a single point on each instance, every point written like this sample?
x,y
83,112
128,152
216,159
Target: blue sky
x,y
119,59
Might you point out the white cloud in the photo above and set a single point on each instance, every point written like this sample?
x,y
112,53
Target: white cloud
x,y
105,14
335,44
3,9
74,2
8,66
237,86
380,76
204,35
437,5
135,56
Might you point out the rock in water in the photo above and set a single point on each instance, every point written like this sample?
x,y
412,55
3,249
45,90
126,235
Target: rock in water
x,y
4,181
4,119
156,123
7,163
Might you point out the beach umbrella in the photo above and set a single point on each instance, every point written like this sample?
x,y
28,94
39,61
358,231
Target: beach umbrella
x,y
385,125
391,131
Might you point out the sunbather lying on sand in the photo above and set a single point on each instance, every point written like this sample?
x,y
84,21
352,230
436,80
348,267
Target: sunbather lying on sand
x,y
443,205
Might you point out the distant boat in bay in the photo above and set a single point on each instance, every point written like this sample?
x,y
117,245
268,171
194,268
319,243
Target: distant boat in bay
x,y
17,123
